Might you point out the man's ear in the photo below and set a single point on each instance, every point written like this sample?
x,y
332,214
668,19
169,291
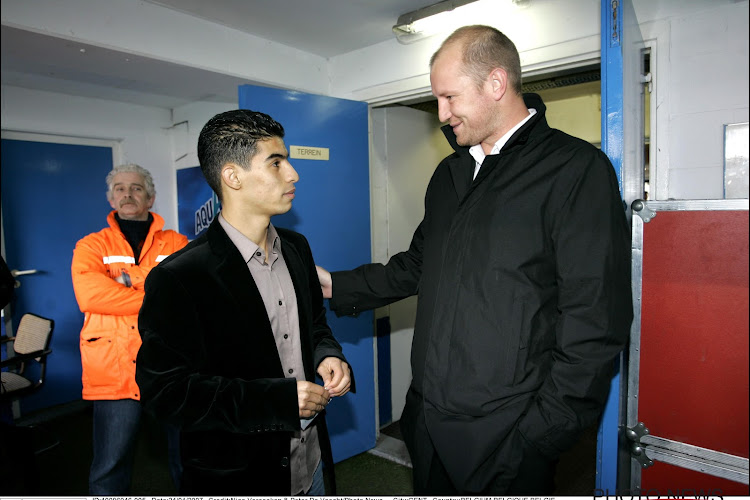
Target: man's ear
x,y
498,81
230,177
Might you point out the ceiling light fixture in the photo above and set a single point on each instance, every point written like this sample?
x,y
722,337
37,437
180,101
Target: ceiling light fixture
x,y
447,15
425,21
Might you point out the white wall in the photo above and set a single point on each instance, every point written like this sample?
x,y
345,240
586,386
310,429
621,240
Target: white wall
x,y
190,119
701,85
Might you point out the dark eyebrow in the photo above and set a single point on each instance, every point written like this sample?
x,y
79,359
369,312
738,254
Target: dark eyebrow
x,y
277,156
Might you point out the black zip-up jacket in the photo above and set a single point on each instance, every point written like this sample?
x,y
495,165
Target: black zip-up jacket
x,y
523,276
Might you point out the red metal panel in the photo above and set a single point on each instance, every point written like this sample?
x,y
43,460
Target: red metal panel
x,y
693,383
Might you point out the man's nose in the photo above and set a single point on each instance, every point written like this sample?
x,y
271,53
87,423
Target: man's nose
x,y
444,113
293,175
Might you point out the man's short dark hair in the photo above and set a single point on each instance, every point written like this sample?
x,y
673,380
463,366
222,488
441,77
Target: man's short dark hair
x,y
232,137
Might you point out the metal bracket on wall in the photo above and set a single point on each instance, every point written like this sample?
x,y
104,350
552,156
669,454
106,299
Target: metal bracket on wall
x,y
640,207
633,435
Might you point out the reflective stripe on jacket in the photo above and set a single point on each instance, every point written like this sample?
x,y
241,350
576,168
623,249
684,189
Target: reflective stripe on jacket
x,y
109,338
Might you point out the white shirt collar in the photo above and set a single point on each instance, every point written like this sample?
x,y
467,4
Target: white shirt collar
x,y
478,153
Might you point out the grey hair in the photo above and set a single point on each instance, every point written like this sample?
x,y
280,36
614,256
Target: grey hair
x,y
148,181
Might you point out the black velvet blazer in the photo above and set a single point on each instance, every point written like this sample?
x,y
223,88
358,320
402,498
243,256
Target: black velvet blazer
x,y
209,365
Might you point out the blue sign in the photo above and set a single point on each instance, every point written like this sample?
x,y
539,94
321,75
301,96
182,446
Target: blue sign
x,y
197,205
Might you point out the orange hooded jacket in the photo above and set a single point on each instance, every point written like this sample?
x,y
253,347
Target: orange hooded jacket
x,y
109,338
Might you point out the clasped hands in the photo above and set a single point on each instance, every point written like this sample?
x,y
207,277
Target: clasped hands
x,y
313,398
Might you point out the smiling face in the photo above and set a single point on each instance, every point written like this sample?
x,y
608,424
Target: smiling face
x,y
467,108
129,196
268,185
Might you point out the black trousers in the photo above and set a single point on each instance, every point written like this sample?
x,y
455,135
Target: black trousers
x,y
535,477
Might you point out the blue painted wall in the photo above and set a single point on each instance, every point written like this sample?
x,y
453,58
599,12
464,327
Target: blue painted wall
x,y
52,196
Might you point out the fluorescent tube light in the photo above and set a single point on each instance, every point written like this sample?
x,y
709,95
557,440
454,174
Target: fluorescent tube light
x,y
445,16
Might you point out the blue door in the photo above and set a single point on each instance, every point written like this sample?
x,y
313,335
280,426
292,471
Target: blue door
x,y
332,209
622,141
52,195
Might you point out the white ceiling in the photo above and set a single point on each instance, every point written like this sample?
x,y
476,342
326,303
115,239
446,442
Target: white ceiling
x,y
322,27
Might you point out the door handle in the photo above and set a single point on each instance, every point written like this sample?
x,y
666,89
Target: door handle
x,y
15,272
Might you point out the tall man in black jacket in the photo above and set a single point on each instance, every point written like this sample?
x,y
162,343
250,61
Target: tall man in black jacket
x,y
522,267
234,330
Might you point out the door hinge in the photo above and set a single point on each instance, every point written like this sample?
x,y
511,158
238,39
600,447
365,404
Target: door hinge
x,y
614,38
648,79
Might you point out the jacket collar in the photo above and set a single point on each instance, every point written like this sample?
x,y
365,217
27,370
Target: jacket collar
x,y
156,225
231,269
219,241
522,135
232,264
461,164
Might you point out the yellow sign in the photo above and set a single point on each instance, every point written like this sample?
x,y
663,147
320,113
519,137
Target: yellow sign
x,y
308,153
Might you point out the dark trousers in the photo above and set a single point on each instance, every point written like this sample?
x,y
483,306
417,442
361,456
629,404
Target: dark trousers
x,y
535,477
115,428
116,424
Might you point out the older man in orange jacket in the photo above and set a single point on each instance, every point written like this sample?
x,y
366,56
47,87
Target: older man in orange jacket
x,y
109,270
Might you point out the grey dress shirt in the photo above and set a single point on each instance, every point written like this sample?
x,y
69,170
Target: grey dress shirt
x,y
274,282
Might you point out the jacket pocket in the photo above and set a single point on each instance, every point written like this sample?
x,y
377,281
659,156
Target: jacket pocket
x,y
100,361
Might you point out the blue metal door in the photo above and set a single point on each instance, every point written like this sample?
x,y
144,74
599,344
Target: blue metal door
x,y
52,195
332,209
622,140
